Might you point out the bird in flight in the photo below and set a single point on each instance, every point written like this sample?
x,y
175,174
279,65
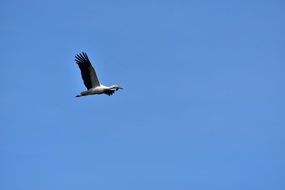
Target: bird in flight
x,y
90,78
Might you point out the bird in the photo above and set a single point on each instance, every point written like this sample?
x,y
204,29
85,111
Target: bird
x,y
90,78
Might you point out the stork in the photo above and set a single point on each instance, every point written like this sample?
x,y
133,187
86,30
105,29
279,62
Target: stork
x,y
90,78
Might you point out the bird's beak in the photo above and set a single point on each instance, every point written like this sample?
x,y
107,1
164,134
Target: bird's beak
x,y
121,88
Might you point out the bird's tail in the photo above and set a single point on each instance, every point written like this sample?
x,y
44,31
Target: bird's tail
x,y
78,96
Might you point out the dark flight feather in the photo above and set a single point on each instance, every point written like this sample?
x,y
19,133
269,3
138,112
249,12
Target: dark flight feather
x,y
88,73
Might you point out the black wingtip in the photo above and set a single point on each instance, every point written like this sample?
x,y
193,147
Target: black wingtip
x,y
81,57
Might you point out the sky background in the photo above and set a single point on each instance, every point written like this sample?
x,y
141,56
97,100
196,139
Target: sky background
x,y
202,107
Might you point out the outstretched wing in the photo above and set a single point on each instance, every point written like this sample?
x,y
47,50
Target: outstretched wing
x,y
88,73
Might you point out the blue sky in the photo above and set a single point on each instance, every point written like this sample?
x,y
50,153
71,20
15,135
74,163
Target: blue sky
x,y
202,106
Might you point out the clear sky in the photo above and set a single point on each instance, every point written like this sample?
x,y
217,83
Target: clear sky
x,y
202,107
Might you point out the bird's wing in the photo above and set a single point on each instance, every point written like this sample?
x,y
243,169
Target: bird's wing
x,y
88,73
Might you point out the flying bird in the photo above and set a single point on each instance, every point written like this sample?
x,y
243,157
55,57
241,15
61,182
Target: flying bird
x,y
90,78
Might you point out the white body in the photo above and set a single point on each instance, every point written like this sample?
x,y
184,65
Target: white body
x,y
95,90
100,90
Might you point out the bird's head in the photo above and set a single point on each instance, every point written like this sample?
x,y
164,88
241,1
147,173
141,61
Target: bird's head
x,y
116,87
